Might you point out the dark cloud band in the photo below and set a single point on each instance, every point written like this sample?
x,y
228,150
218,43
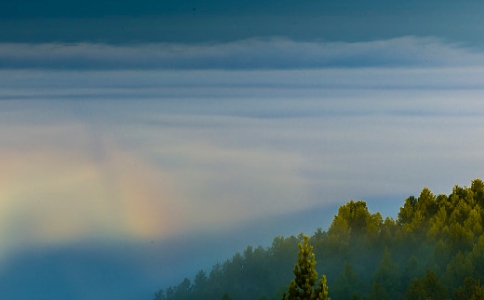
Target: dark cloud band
x,y
251,54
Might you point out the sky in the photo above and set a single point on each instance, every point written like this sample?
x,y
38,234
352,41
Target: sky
x,y
143,141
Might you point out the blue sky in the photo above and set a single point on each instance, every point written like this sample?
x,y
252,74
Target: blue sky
x,y
222,21
133,135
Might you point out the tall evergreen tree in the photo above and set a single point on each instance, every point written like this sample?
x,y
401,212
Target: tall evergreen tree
x,y
301,288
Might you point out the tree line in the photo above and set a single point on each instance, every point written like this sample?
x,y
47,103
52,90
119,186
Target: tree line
x,y
434,249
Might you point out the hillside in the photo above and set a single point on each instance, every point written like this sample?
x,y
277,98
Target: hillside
x,y
435,248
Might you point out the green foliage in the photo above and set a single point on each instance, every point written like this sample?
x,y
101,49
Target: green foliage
x,y
427,287
378,292
387,279
435,248
471,289
302,287
348,284
416,291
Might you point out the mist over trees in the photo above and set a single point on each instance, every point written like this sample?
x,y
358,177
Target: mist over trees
x,y
434,249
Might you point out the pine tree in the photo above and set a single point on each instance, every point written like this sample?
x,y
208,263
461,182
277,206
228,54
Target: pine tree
x,y
301,288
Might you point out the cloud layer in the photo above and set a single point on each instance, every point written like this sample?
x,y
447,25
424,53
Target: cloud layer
x,y
125,145
273,53
152,154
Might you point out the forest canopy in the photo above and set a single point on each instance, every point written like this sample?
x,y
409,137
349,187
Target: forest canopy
x,y
433,250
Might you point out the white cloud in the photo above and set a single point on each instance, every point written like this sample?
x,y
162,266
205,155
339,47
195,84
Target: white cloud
x,y
142,154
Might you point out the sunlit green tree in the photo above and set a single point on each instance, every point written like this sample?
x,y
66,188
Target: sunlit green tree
x,y
302,287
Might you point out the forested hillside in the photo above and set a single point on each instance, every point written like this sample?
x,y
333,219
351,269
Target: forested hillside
x,y
434,249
